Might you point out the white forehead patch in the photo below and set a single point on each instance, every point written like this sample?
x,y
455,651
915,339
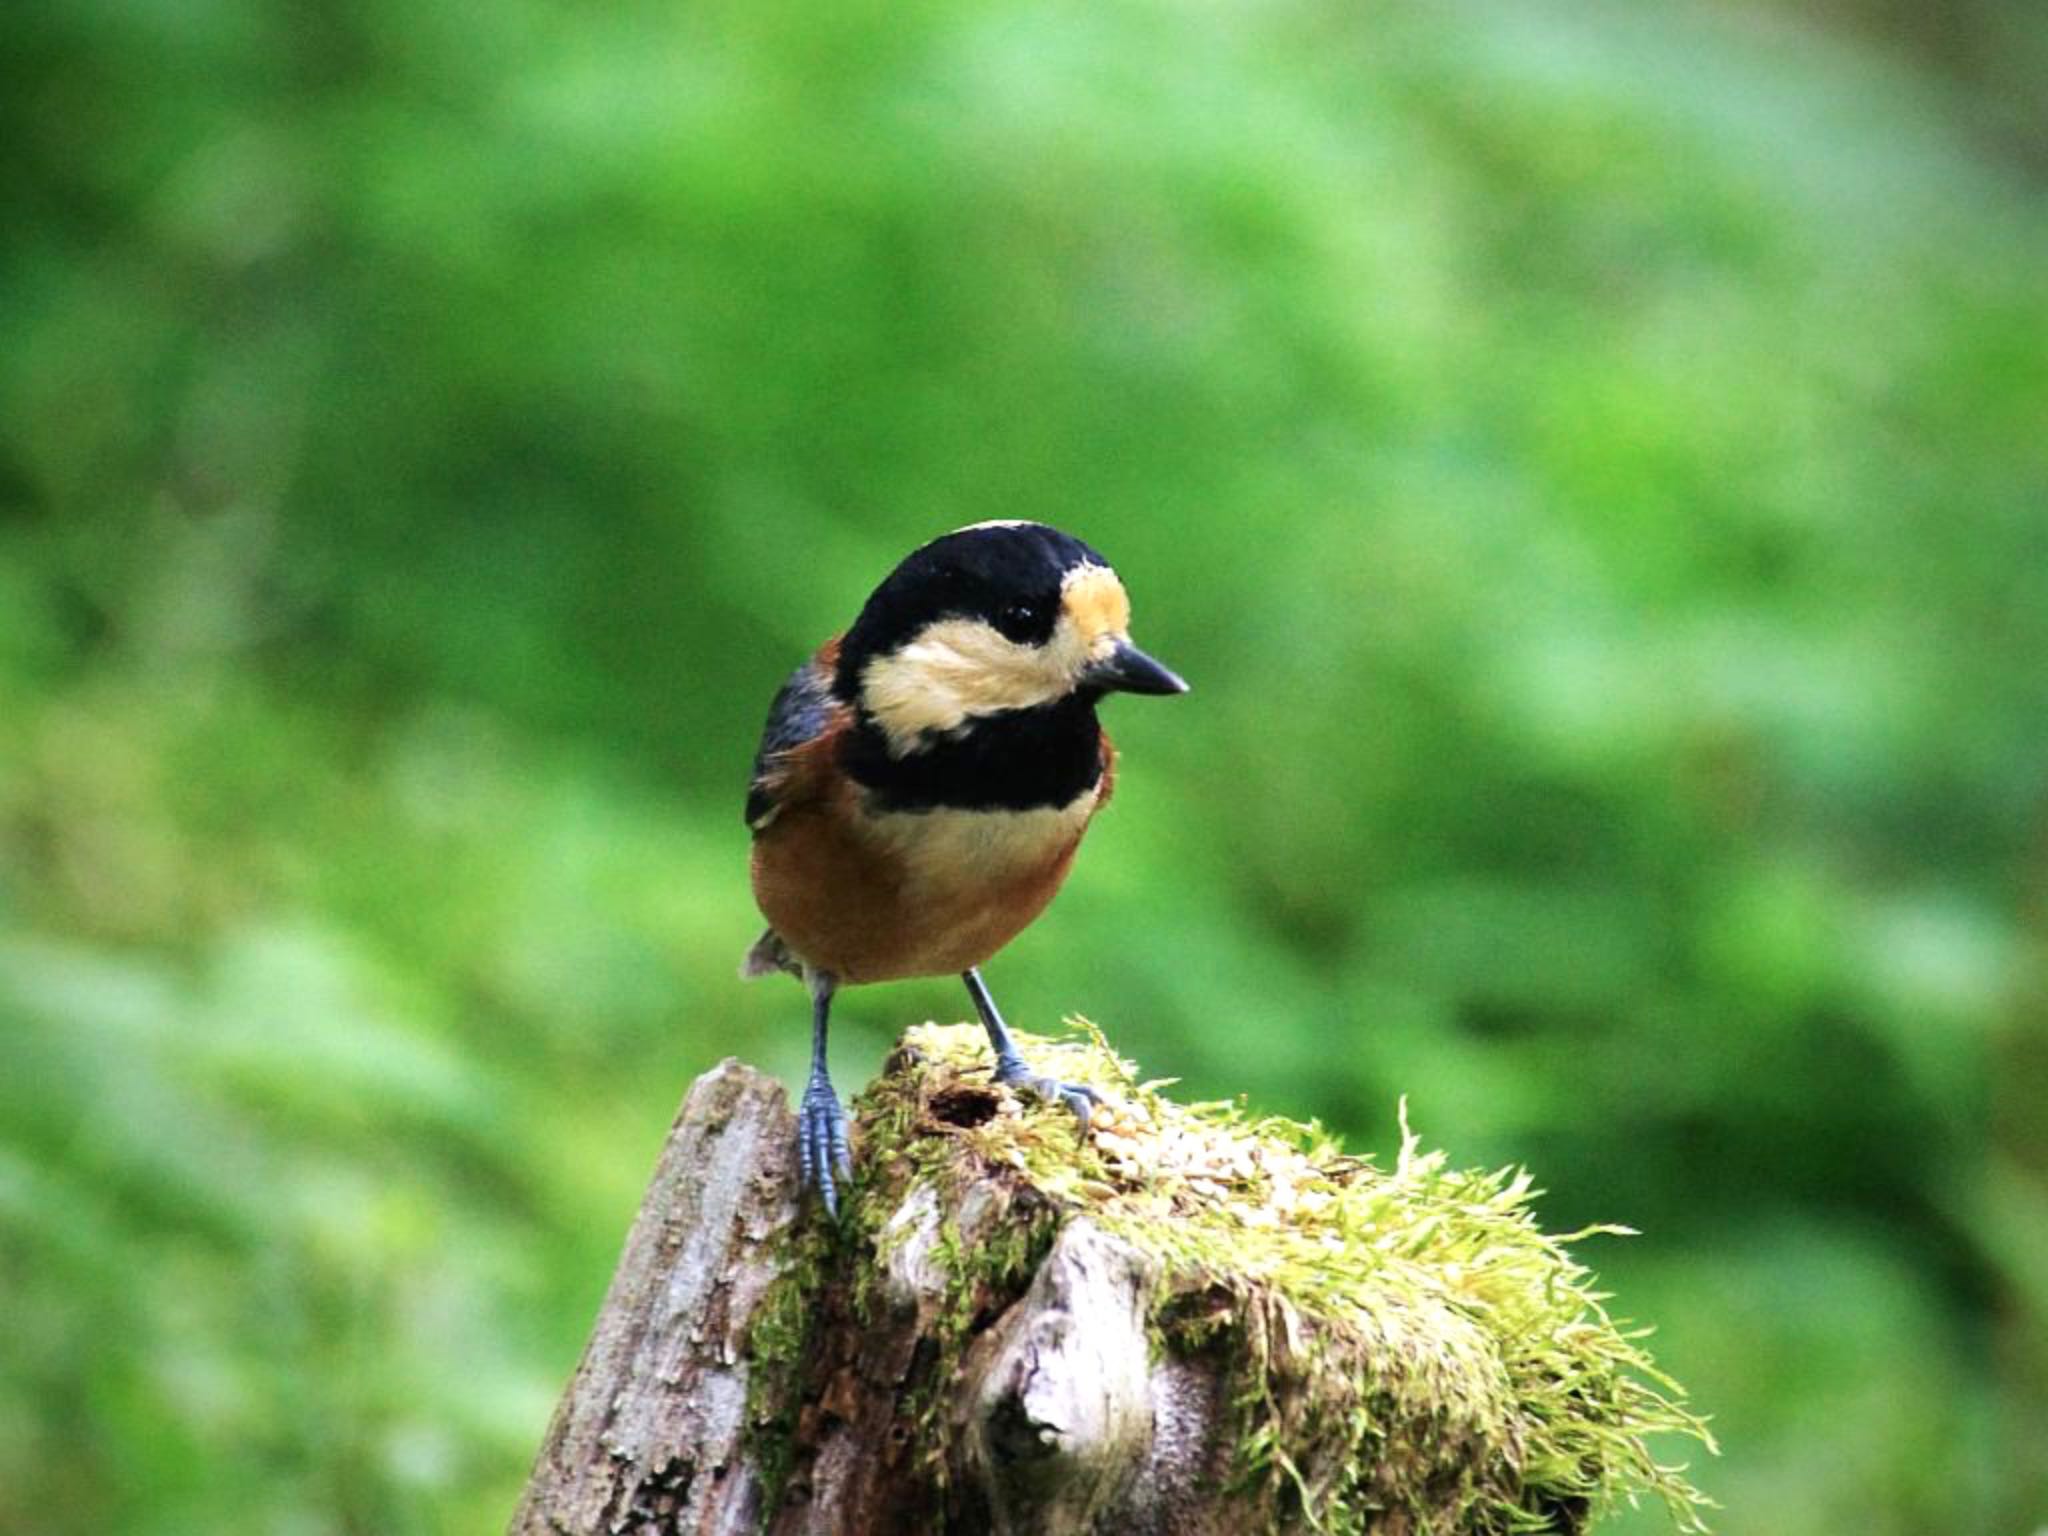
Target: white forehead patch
x,y
956,669
1096,603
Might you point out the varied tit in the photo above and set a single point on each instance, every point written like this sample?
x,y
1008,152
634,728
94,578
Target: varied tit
x,y
924,780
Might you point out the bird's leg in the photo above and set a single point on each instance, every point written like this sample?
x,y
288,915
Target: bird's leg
x,y
821,1124
1011,1068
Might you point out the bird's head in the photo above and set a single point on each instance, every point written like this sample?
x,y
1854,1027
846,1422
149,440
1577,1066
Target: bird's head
x,y
991,619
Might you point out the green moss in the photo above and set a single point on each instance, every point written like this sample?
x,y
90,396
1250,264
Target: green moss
x,y
780,1339
833,1275
1406,1344
1405,1349
982,1276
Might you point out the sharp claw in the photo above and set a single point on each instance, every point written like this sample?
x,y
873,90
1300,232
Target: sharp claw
x,y
822,1148
1080,1104
1078,1097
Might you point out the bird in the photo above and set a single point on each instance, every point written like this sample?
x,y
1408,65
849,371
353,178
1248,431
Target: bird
x,y
924,780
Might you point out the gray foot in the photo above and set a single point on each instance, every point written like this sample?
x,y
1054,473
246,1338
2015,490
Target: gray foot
x,y
1078,1097
821,1148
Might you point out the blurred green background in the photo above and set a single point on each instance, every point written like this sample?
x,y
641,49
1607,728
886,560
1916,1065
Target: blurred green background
x,y
1591,461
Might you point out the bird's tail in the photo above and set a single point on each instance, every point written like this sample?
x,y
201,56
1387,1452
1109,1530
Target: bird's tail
x,y
768,956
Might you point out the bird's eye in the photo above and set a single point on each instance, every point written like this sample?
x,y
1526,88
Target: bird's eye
x,y
1021,620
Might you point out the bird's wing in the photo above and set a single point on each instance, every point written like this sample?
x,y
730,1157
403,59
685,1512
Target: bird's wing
x,y
802,722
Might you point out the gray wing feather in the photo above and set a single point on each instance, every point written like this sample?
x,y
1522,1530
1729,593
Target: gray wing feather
x,y
801,711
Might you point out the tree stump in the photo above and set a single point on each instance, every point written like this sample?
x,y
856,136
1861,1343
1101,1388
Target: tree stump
x,y
1188,1322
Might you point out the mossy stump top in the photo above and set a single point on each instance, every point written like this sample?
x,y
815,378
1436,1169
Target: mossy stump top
x,y
1190,1320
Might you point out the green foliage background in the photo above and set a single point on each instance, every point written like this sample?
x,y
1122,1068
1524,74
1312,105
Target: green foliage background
x,y
1591,461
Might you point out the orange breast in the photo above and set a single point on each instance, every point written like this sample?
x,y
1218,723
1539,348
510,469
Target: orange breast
x,y
879,897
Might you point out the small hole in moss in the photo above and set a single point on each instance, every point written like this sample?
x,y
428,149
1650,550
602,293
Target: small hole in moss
x,y
1200,1319
964,1106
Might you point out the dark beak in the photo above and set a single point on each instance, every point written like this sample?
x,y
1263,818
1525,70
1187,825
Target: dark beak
x,y
1129,670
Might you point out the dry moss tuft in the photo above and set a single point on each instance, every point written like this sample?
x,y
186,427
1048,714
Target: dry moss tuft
x,y
1409,1352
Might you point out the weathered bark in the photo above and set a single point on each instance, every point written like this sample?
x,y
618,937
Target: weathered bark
x,y
1057,1417
975,1349
650,1435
